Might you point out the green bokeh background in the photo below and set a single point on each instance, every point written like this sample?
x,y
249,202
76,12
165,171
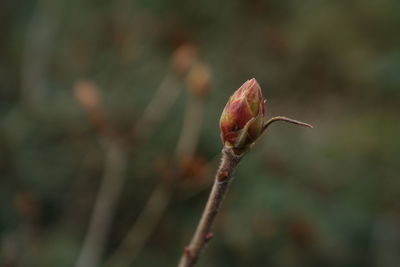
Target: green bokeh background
x,y
323,197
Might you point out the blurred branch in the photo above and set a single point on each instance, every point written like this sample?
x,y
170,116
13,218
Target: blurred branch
x,y
110,189
161,102
166,94
141,230
193,119
88,95
37,51
191,128
160,198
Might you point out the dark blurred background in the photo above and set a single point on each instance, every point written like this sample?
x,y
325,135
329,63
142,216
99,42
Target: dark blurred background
x,y
109,132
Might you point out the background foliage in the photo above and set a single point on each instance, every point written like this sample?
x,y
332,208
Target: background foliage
x,y
322,197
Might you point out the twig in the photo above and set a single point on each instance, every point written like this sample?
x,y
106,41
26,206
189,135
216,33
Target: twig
x,y
141,229
110,189
37,52
241,124
191,128
160,198
158,107
203,234
223,177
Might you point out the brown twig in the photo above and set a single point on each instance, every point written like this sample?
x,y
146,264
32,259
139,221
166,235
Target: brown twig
x,y
191,128
37,54
203,234
238,138
111,186
106,200
162,100
141,230
160,198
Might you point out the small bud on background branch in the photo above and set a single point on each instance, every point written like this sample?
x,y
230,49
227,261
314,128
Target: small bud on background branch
x,y
242,123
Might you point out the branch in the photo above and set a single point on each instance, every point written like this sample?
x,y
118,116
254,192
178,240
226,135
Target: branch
x,y
158,107
239,130
191,128
203,234
141,230
37,51
114,173
160,198
103,213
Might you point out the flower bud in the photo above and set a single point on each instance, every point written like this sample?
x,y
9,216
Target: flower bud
x,y
242,120
87,93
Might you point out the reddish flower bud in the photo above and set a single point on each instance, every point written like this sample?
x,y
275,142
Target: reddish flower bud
x,y
242,120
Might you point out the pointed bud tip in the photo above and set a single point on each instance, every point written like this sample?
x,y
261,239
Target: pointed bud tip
x,y
252,80
251,84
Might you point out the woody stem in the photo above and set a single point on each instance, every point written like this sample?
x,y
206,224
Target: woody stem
x,y
202,235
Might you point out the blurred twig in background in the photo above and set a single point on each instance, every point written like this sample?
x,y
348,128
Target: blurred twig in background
x,y
110,187
113,176
198,83
136,238
104,208
37,53
167,92
163,99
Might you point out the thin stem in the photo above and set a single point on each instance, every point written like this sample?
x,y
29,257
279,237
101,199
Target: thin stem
x,y
142,229
289,120
158,107
103,213
37,54
202,234
160,198
114,173
192,124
